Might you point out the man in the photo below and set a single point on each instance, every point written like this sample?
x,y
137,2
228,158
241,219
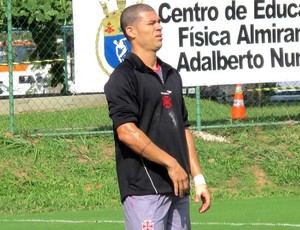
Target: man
x,y
155,151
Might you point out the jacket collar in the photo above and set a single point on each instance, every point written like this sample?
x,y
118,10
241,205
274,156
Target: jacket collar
x,y
139,64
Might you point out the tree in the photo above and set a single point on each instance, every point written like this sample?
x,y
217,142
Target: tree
x,y
44,19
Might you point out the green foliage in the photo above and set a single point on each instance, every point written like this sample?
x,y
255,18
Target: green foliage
x,y
26,12
44,20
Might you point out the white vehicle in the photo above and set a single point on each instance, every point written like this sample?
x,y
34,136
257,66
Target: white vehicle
x,y
287,91
28,78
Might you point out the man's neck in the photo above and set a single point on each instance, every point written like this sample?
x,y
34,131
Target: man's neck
x,y
149,58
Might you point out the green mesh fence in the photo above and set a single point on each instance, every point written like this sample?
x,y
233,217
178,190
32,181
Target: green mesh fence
x,y
38,98
265,104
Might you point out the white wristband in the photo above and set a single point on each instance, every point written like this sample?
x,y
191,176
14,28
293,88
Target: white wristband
x,y
199,180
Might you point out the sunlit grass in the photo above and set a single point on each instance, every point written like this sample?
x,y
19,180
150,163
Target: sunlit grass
x,y
74,173
96,119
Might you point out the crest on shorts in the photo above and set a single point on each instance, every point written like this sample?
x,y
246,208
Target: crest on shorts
x,y
147,225
111,44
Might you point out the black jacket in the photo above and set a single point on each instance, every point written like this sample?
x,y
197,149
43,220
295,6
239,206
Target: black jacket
x,y
135,93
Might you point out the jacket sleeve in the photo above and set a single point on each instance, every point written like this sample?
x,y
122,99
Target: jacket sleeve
x,y
184,110
120,92
185,114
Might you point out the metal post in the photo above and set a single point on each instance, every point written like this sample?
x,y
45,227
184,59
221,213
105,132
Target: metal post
x,y
10,68
198,108
66,59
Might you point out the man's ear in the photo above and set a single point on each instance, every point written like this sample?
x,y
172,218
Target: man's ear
x,y
130,31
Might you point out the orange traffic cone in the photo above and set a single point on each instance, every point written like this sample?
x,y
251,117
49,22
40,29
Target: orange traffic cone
x,y
238,108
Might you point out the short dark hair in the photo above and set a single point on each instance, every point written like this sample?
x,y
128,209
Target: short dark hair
x,y
131,15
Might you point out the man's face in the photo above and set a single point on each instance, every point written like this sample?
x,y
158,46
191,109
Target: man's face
x,y
148,34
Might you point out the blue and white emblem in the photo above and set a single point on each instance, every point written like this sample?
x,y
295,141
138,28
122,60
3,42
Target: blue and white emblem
x,y
111,44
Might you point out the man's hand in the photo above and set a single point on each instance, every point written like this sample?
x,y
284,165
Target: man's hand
x,y
137,140
202,193
179,178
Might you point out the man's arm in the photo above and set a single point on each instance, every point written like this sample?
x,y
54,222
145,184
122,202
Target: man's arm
x,y
140,143
201,191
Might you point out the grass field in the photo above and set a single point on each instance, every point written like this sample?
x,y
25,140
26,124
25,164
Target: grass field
x,y
69,182
96,119
245,214
39,175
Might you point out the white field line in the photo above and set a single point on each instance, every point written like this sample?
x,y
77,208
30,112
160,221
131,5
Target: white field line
x,y
122,222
